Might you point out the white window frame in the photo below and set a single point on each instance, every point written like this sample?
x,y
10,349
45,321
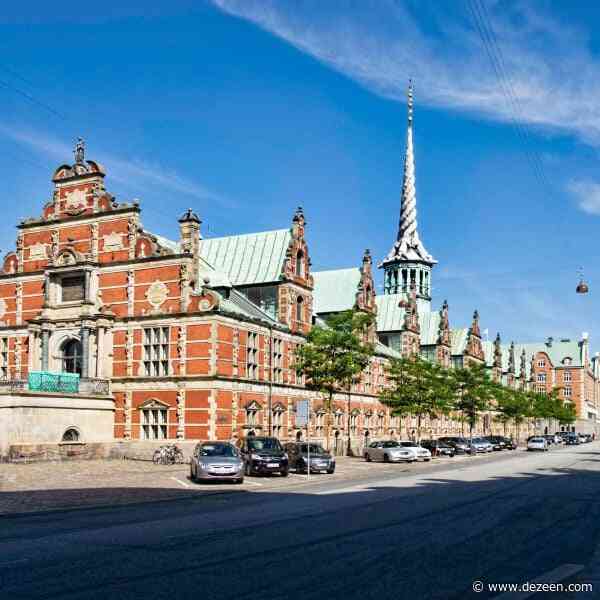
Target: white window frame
x,y
156,346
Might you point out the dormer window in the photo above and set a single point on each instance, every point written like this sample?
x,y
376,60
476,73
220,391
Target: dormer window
x,y
567,361
72,288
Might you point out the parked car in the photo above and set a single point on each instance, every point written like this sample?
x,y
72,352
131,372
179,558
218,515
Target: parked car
x,y
216,460
420,453
438,448
510,443
460,445
571,439
549,438
585,438
300,453
537,443
497,441
263,455
389,451
481,445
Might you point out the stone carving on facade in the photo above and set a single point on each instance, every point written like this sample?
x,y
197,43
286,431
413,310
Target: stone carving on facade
x,y
157,294
55,244
129,350
181,346
235,352
20,248
38,252
19,294
113,241
94,246
127,410
132,228
130,292
180,414
75,201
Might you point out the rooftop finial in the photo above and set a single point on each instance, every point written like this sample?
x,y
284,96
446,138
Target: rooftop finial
x,y
79,151
410,102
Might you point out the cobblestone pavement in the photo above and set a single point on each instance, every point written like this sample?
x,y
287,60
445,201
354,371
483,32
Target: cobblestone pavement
x,y
26,488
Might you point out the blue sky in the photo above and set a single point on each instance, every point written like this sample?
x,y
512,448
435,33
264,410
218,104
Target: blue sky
x,y
245,109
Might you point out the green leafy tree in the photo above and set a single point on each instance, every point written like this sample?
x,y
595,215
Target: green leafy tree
x,y
334,356
417,387
473,391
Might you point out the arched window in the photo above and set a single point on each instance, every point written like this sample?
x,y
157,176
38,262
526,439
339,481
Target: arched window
x,y
70,435
300,264
71,356
299,307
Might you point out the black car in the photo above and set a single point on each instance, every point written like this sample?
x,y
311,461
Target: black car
x,y
300,453
571,439
438,448
460,445
263,455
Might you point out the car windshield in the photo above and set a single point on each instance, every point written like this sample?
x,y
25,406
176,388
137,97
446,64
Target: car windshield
x,y
264,444
391,444
314,449
217,450
536,439
408,444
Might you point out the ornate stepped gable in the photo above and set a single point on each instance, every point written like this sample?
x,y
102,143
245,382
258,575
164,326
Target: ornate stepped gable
x,y
443,350
473,348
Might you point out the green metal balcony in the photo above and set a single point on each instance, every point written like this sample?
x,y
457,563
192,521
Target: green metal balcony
x,y
43,381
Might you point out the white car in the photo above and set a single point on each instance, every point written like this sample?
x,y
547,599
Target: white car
x,y
537,443
389,451
420,453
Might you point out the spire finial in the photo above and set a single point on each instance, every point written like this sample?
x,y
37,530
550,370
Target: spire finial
x,y
409,103
79,151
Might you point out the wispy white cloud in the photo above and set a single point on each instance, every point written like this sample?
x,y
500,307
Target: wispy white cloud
x,y
135,176
587,195
381,43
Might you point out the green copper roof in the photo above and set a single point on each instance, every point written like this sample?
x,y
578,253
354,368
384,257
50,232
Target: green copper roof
x,y
390,317
248,259
335,290
429,323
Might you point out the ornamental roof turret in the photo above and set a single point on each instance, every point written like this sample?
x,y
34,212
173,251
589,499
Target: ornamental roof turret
x,y
408,245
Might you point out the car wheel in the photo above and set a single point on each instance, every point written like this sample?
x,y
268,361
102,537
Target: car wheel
x,y
426,459
284,473
192,476
367,457
240,480
331,471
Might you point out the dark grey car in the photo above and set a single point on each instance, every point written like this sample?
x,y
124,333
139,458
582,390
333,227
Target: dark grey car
x,y
216,460
321,461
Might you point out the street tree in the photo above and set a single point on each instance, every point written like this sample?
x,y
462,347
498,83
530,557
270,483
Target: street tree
x,y
334,356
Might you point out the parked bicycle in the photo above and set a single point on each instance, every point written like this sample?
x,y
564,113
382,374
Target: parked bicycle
x,y
169,454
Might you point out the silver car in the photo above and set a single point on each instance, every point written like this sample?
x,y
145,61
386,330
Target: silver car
x,y
388,451
216,460
480,445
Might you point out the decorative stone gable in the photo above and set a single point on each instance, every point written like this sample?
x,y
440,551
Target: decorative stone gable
x,y
296,266
474,348
497,368
443,349
365,295
410,337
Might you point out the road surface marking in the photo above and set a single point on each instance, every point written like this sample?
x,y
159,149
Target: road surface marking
x,y
183,483
555,576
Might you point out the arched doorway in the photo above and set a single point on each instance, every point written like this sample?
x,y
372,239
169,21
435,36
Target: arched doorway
x,y
71,356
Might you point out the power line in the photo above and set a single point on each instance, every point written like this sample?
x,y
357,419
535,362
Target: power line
x,y
494,53
32,99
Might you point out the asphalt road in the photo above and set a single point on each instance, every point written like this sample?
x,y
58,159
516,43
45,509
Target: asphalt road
x,y
411,535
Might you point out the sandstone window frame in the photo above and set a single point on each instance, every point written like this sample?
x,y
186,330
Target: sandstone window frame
x,y
567,377
4,345
156,345
74,293
277,420
252,348
154,421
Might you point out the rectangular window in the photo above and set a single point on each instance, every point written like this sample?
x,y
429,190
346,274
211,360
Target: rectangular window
x,y
567,392
252,355
72,288
251,416
353,423
540,389
567,377
154,424
541,363
156,351
277,360
320,424
4,358
541,377
277,424
263,296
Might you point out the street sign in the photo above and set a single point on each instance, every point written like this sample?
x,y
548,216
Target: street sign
x,y
302,412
